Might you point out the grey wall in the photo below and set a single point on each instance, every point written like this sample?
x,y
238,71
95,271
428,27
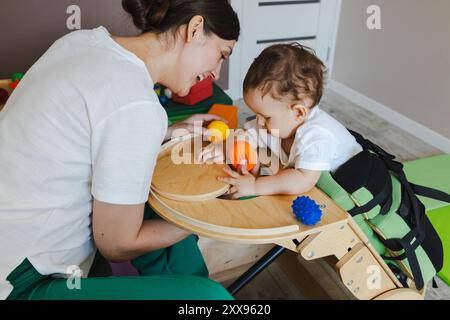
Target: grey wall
x,y
406,65
29,27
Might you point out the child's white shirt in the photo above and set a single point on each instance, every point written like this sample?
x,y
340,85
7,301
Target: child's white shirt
x,y
321,144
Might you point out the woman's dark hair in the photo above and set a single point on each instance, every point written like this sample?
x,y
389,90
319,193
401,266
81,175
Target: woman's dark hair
x,y
288,71
159,16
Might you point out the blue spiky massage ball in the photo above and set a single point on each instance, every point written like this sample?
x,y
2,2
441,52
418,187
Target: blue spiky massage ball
x,y
307,210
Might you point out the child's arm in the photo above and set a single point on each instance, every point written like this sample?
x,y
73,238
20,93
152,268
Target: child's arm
x,y
288,181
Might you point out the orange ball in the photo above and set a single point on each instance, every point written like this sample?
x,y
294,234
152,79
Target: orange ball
x,y
241,150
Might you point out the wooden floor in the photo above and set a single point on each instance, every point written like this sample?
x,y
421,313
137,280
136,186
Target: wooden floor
x,y
287,278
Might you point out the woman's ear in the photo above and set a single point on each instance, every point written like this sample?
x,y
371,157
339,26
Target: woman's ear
x,y
195,29
300,112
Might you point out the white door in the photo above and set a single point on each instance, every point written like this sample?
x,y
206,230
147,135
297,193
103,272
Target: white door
x,y
267,22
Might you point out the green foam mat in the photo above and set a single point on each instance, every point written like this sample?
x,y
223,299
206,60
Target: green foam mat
x,y
433,172
440,218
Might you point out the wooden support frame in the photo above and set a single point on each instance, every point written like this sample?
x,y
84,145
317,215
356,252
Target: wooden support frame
x,y
344,240
362,274
336,240
269,220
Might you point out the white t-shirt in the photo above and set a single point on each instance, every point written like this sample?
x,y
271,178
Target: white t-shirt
x,y
321,143
83,123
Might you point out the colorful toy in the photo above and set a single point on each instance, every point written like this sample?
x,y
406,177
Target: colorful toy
x,y
4,95
220,131
157,89
164,100
230,113
17,76
13,85
307,211
199,92
240,151
161,93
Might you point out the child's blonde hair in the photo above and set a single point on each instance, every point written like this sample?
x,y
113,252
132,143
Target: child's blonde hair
x,y
288,71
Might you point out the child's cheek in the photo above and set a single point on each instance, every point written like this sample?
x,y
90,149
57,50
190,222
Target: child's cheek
x,y
271,126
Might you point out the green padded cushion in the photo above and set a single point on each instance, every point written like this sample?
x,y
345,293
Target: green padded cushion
x,y
431,172
393,226
328,185
440,218
434,172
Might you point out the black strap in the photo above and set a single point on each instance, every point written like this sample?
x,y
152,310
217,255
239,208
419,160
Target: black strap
x,y
413,264
411,208
399,274
397,245
410,255
397,168
430,193
380,198
369,145
405,206
417,211
388,204
435,285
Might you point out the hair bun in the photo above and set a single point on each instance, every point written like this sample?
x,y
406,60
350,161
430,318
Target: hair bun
x,y
147,14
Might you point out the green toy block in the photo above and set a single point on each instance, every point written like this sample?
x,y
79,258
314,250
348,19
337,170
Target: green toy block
x,y
176,119
17,76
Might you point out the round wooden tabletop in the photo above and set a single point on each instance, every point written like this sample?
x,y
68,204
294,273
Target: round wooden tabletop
x,y
178,175
186,195
259,220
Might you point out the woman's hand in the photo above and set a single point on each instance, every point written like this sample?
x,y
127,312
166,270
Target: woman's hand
x,y
242,185
213,153
195,124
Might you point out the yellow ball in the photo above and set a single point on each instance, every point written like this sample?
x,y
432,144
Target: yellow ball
x,y
219,130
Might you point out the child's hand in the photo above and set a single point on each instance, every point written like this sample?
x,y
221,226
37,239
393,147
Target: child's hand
x,y
213,153
243,185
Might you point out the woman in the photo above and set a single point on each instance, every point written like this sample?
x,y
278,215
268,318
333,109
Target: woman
x,y
81,135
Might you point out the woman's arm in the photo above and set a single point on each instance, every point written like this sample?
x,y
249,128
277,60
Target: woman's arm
x,y
121,234
194,124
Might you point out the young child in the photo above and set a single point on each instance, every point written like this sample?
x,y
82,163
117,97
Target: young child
x,y
284,87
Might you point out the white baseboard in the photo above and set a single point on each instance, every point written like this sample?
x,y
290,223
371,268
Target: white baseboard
x,y
416,129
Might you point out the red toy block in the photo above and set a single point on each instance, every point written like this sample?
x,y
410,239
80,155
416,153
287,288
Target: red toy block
x,y
201,91
14,84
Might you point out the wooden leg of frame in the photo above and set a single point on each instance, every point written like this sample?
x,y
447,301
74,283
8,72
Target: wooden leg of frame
x,y
362,274
335,240
291,244
400,294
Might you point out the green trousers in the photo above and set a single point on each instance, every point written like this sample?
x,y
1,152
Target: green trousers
x,y
175,273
